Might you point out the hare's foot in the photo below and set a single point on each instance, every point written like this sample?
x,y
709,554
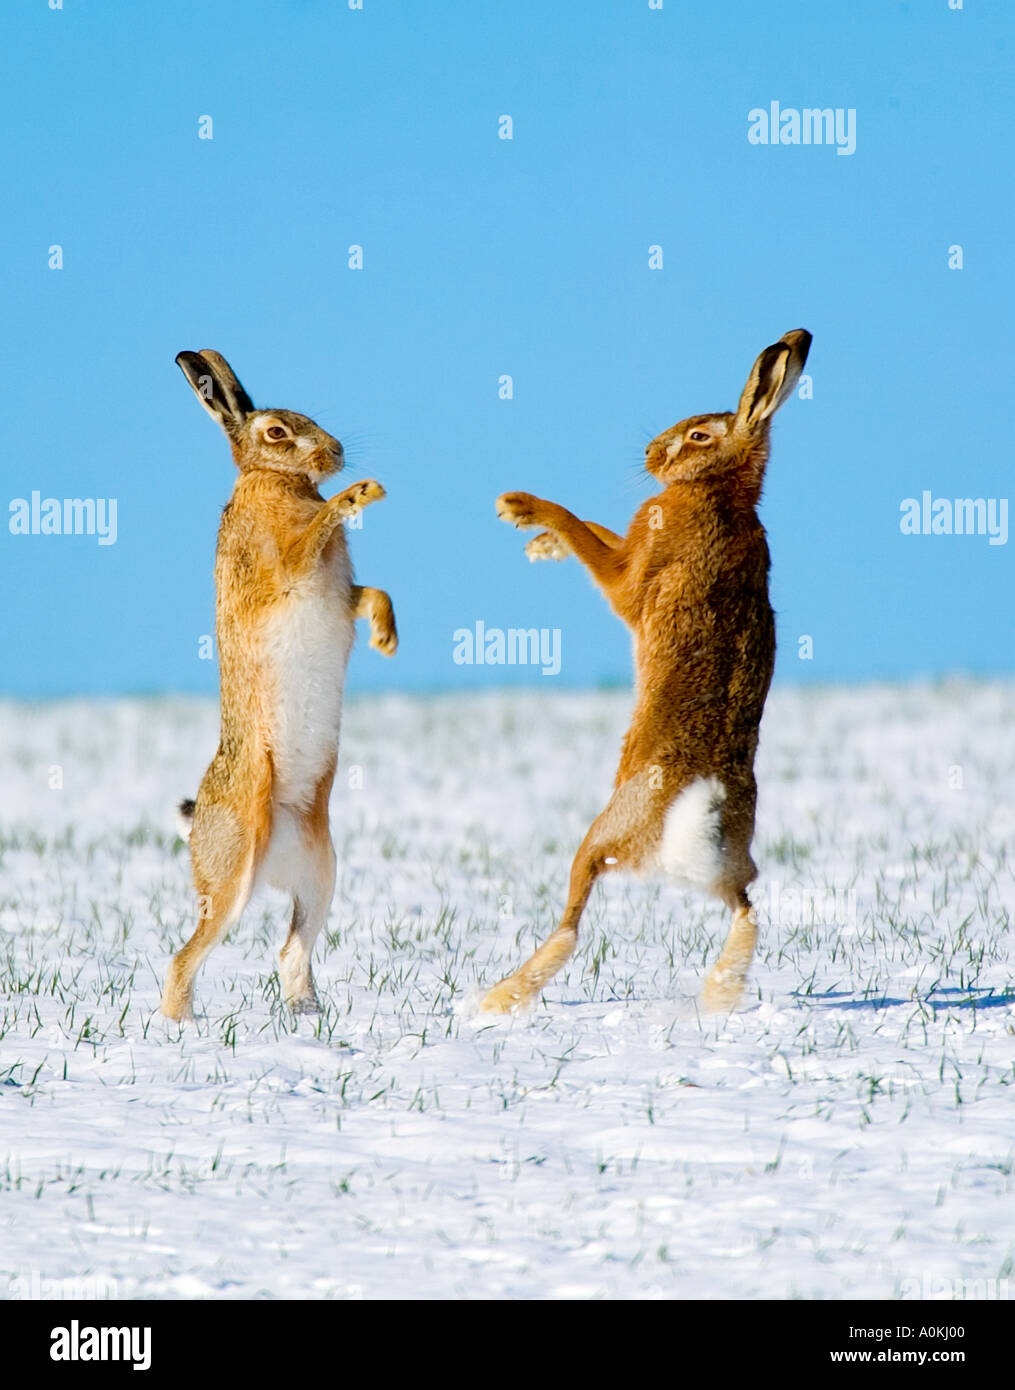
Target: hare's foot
x,y
511,996
177,1003
383,632
384,639
375,605
297,980
547,546
298,988
521,509
356,497
724,986
723,990
522,988
176,1013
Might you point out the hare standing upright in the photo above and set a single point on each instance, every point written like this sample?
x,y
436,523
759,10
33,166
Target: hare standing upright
x,y
285,610
690,579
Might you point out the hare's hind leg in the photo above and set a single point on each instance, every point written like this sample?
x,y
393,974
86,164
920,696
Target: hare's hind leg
x,y
724,985
611,842
310,877
225,848
518,991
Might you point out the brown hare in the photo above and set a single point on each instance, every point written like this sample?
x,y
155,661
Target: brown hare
x,y
285,610
690,579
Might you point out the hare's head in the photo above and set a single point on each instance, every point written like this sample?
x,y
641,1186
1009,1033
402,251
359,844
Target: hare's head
x,y
279,440
734,443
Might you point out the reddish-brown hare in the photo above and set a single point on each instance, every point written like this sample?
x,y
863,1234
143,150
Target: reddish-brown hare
x,y
690,579
285,610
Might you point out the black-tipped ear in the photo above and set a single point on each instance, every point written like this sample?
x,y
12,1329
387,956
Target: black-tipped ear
x,y
216,386
240,401
773,377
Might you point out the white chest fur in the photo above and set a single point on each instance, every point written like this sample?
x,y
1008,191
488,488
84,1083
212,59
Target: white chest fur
x,y
307,643
691,849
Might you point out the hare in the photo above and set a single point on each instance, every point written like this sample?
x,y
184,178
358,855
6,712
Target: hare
x,y
285,610
690,579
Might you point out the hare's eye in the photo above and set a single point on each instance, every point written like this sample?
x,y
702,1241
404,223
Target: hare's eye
x,y
700,437
275,432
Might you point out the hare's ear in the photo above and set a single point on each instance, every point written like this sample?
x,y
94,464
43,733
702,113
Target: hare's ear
x,y
216,386
773,377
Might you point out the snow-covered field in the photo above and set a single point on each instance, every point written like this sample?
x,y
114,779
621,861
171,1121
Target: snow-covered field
x,y
851,1132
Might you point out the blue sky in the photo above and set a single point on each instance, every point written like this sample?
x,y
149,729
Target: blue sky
x,y
485,257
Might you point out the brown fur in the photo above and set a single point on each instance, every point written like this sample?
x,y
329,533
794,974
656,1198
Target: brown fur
x,y
281,555
690,578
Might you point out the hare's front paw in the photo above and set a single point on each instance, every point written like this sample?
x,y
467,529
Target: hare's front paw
x,y
355,498
546,546
384,639
519,508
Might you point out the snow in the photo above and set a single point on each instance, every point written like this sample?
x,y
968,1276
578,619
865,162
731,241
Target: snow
x,y
849,1132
